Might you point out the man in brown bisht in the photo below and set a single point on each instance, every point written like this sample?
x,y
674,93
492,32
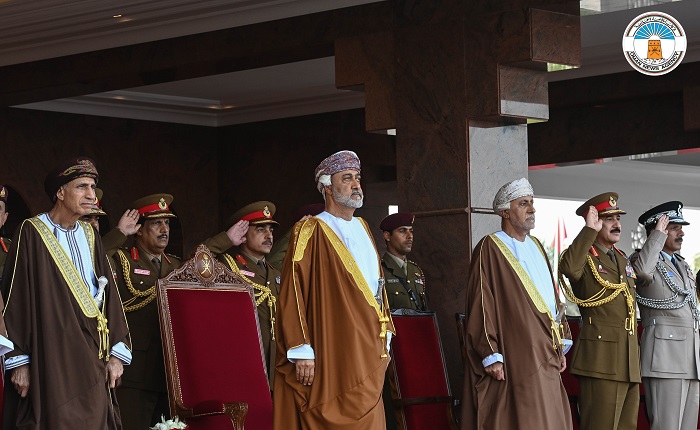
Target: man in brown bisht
x,y
515,332
64,315
333,321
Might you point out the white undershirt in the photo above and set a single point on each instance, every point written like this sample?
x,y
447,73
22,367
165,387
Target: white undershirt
x,y
534,263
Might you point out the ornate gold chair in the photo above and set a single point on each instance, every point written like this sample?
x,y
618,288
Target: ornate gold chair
x,y
213,353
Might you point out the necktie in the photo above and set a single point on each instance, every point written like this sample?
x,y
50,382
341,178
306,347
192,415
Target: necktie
x,y
675,263
262,265
611,254
156,262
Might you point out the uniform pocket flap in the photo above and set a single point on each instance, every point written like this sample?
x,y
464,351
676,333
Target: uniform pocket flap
x,y
669,333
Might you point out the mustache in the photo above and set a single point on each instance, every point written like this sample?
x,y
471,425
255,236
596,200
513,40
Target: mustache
x,y
267,242
615,230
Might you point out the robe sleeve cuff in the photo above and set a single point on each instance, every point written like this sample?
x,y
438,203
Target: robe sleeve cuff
x,y
17,361
122,352
6,345
493,358
567,343
303,352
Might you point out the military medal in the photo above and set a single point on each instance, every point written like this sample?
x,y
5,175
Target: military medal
x,y
142,272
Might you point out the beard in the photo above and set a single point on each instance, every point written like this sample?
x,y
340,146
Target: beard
x,y
348,200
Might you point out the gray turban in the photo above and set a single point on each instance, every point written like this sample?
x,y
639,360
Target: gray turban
x,y
511,191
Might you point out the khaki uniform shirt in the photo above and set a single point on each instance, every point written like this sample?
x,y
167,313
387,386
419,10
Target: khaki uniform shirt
x,y
404,290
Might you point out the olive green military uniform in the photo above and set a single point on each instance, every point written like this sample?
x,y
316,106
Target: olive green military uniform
x,y
266,290
144,389
4,248
606,354
404,289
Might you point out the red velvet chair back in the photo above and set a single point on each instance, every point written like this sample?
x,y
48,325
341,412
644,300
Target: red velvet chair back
x,y
212,345
420,387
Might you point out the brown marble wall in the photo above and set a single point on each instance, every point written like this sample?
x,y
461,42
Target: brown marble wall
x,y
210,172
134,158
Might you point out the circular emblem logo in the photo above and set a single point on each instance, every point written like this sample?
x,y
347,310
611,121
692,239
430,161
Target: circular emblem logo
x,y
654,43
162,205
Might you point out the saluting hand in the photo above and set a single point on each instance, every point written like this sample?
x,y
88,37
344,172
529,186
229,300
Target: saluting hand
x,y
128,223
237,232
592,219
662,224
496,371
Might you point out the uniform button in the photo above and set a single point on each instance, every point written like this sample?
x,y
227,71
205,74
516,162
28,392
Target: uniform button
x,y
397,293
670,335
141,282
408,282
599,336
631,332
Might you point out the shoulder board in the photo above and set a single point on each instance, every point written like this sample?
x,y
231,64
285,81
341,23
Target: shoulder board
x,y
594,251
414,263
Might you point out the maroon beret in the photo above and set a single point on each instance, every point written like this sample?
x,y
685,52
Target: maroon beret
x,y
394,221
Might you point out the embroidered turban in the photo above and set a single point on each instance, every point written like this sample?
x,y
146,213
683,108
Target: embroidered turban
x,y
511,191
338,162
68,170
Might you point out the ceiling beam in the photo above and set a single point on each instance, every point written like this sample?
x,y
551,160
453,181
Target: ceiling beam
x,y
222,51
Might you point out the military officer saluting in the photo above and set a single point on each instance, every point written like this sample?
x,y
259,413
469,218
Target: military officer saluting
x,y
606,354
668,303
4,242
248,260
405,282
143,396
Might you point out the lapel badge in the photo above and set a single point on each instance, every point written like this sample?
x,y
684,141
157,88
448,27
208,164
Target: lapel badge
x,y
601,270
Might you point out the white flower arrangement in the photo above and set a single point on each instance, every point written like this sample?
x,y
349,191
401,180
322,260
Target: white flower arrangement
x,y
173,423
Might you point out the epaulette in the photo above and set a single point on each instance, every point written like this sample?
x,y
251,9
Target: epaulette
x,y
414,263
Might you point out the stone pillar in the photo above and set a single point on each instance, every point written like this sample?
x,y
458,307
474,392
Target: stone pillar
x,y
458,80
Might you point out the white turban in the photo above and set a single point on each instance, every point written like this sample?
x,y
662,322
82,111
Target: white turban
x,y
511,191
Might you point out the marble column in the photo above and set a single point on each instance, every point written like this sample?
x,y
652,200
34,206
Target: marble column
x,y
458,80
